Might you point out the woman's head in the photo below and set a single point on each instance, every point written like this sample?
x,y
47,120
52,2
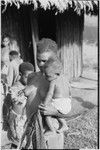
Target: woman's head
x,y
46,49
25,69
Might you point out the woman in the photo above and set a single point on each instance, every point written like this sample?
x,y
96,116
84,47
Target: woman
x,y
46,49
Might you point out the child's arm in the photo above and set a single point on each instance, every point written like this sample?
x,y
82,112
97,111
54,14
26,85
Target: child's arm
x,y
50,92
26,91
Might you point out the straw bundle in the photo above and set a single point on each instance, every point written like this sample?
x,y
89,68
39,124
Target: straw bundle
x,y
59,5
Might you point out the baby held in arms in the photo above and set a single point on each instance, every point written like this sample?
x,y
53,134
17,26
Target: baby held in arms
x,y
55,95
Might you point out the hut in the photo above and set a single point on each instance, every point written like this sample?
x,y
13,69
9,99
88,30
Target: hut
x,y
61,20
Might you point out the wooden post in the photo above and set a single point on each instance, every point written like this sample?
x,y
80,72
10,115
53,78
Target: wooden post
x,y
34,28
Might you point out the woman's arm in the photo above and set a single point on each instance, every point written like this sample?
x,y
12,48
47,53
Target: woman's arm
x,y
49,110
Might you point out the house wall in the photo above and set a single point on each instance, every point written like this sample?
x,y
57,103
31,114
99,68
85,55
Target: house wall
x,y
69,38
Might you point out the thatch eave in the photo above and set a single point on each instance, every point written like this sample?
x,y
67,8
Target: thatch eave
x,y
59,5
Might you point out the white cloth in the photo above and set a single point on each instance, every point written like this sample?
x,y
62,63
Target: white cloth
x,y
2,101
63,105
5,69
19,123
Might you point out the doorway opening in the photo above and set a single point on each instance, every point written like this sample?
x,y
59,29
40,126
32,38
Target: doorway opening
x,y
46,24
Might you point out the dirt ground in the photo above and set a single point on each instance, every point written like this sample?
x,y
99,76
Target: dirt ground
x,y
82,131
82,120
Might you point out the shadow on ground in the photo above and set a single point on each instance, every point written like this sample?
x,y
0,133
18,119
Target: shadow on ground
x,y
85,104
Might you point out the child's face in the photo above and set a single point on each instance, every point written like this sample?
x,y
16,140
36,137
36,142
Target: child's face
x,y
24,77
51,77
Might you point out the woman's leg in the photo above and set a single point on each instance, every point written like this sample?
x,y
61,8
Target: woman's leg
x,y
49,124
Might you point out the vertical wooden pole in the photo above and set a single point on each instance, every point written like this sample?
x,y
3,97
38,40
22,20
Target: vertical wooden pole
x,y
34,29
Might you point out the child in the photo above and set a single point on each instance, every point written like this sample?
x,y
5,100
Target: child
x,y
53,70
13,69
17,114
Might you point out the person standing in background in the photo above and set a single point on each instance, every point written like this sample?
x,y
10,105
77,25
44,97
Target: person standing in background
x,y
5,49
8,44
13,69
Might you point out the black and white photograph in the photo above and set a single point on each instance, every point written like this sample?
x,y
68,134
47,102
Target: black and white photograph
x,y
49,45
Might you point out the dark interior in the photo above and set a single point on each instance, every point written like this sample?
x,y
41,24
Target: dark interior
x,y
46,24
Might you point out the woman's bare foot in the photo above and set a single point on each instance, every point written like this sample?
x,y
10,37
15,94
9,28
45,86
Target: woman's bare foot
x,y
63,128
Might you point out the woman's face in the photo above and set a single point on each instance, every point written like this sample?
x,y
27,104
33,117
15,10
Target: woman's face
x,y
6,41
43,58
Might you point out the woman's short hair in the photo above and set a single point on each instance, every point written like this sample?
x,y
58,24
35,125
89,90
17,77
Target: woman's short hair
x,y
45,45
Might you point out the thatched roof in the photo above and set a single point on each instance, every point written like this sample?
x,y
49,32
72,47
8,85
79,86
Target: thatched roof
x,y
60,5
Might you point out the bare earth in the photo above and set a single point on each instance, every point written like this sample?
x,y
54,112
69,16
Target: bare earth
x,y
82,120
82,131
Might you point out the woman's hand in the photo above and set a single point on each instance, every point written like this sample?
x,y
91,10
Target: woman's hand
x,y
21,92
48,110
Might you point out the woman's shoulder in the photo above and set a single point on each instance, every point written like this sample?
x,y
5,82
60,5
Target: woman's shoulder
x,y
34,77
34,74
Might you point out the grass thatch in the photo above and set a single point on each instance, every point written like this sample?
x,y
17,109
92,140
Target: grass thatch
x,y
59,5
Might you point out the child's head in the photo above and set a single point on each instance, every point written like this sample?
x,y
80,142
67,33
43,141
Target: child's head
x,y
13,55
53,69
25,69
